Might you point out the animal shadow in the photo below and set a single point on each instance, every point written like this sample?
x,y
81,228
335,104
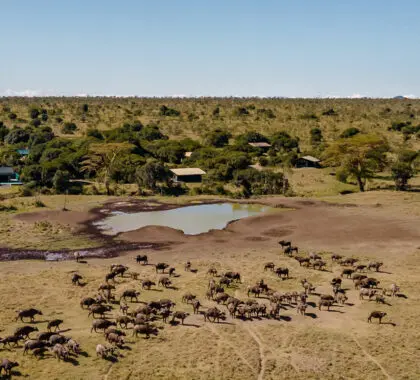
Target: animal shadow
x,y
84,354
82,284
401,295
111,359
389,323
285,318
72,361
311,303
193,270
172,288
191,325
82,262
312,315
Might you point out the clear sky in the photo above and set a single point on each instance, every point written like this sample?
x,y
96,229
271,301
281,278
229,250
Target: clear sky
x,y
295,48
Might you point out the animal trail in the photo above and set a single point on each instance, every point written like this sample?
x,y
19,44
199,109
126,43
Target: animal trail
x,y
261,350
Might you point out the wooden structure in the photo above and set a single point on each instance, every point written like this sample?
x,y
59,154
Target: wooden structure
x,y
189,175
308,162
262,145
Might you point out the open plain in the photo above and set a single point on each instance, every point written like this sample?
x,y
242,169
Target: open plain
x,y
335,344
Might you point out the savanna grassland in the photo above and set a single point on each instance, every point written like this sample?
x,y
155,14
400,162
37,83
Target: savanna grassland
x,y
199,115
338,344
322,214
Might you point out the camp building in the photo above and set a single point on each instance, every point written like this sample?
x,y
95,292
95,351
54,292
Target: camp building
x,y
187,174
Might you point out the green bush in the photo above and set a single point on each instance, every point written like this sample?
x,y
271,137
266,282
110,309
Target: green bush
x,y
69,128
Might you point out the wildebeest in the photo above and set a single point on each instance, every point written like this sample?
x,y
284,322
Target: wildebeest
x,y
214,315
326,303
54,323
336,281
31,344
171,271
255,290
319,264
145,330
196,306
187,266
142,259
28,313
60,352
57,338
225,281
301,308
234,276
212,271
302,260
221,297
116,339
358,277
73,346
379,299
282,272
289,250
366,292
161,267
101,324
147,284
98,309
375,265
124,320
45,335
75,279
103,351
348,261
114,330
347,273
180,315
24,331
269,266
188,297
392,291
369,282
376,314
10,339
360,268
130,293
164,281
336,257
341,298
7,366
284,243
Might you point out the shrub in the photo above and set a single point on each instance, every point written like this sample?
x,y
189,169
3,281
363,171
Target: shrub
x,y
69,128
349,132
34,113
39,203
165,111
12,116
217,138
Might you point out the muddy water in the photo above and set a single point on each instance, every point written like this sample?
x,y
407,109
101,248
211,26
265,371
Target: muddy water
x,y
192,220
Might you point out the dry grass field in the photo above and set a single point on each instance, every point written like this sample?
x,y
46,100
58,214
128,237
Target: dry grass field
x,y
338,344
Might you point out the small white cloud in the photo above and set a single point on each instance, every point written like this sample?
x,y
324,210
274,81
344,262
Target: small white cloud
x,y
356,96
410,96
25,93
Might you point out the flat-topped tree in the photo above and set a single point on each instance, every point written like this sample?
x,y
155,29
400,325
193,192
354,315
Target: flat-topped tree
x,y
103,158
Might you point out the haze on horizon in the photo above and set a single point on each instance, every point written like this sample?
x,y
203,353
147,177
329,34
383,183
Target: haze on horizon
x,y
210,48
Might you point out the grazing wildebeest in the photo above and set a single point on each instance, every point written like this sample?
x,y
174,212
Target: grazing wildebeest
x,y
375,265
98,309
301,308
269,266
360,268
124,320
282,272
161,267
171,271
369,282
114,330
233,276
24,331
110,276
302,260
336,281
289,250
7,366
188,297
145,329
326,303
130,293
221,297
212,272
319,264
75,279
341,298
214,314
187,266
28,313
255,290
147,284
376,314
347,273
379,299
366,292
101,324
225,281
314,256
104,352
57,338
284,243
164,281
180,315
196,306
358,277
60,352
336,257
54,323
142,259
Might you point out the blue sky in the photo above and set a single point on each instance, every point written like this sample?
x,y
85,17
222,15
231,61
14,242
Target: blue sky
x,y
295,48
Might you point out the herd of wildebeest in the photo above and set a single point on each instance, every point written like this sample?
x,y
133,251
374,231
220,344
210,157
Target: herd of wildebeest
x,y
140,316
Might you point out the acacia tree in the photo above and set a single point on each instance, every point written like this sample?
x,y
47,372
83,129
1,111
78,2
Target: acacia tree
x,y
150,173
102,158
404,168
359,156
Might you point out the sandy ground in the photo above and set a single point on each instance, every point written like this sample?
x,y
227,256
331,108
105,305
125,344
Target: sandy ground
x,y
339,344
